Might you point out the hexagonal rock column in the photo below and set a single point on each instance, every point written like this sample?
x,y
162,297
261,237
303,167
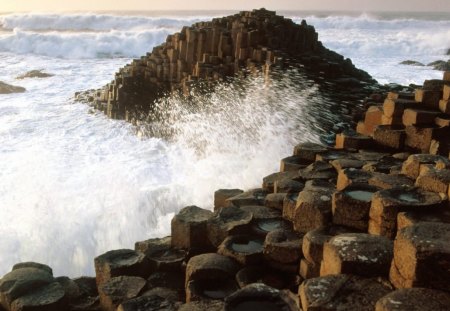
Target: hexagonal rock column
x,y
119,289
313,210
152,302
308,151
121,262
386,204
293,163
422,256
259,296
318,170
250,197
245,249
283,247
411,167
210,305
210,276
271,277
406,219
189,228
357,253
275,200
390,136
161,255
388,181
351,206
353,140
269,181
349,176
31,286
228,221
289,203
414,299
221,195
341,292
435,180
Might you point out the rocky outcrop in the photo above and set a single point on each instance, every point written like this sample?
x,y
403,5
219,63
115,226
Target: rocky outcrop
x,y
257,42
8,88
34,74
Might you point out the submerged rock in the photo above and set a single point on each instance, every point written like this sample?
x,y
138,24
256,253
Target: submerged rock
x,y
411,63
35,74
8,89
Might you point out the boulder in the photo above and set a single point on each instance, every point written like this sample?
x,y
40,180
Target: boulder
x,y
357,253
119,263
119,289
228,221
386,204
293,163
8,89
244,249
414,299
34,74
161,255
221,195
341,292
189,228
351,206
283,246
422,256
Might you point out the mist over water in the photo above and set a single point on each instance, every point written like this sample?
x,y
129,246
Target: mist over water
x,y
74,184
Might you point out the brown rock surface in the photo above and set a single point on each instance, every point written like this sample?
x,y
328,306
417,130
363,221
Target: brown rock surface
x,y
414,299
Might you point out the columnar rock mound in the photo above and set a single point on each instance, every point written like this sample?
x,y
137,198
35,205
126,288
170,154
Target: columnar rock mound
x,y
256,41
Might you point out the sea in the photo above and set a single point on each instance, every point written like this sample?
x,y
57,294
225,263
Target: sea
x,y
75,184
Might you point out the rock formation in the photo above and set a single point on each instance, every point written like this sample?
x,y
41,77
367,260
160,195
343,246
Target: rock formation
x,y
8,89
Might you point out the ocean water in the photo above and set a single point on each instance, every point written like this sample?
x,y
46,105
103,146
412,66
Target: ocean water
x,y
74,184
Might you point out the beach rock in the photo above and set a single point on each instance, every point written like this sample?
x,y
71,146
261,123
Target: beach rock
x,y
357,253
390,136
221,195
34,265
250,197
189,228
144,303
275,200
293,163
283,246
35,74
270,180
266,275
434,180
119,289
318,170
246,250
341,292
8,89
309,270
351,206
406,219
388,181
349,176
386,204
50,297
308,151
259,296
120,263
228,221
210,305
210,276
167,279
422,256
414,299
161,255
440,65
411,63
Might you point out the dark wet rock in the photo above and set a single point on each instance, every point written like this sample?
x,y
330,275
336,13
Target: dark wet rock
x,y
35,265
349,176
406,219
168,279
221,195
244,249
275,200
119,289
309,269
270,180
411,63
293,163
8,89
414,299
318,170
121,262
161,254
189,228
308,151
353,140
422,256
386,165
388,181
210,305
440,65
261,212
344,163
357,253
332,155
35,74
259,296
87,285
226,222
262,227
341,292
146,303
50,297
390,136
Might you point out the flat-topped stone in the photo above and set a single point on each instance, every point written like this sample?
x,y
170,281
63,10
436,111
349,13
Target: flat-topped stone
x,y
388,181
435,180
414,299
422,256
271,277
341,292
269,181
406,219
386,204
245,249
350,176
161,255
250,197
50,297
318,170
188,228
357,253
121,262
308,151
228,221
283,246
221,195
275,200
411,167
119,289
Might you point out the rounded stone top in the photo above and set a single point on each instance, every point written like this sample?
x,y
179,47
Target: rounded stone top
x,y
412,299
193,214
33,265
206,263
120,258
359,192
408,196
